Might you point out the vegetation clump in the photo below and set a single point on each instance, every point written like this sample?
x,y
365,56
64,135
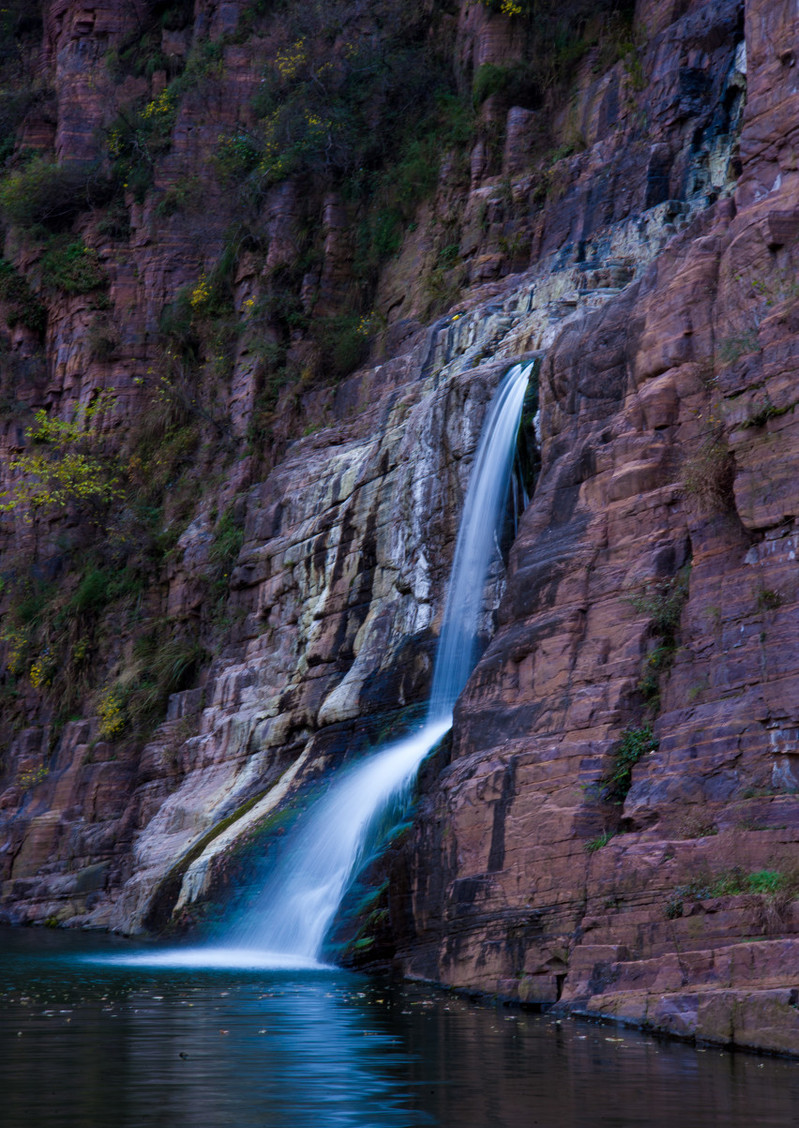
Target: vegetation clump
x,y
44,196
224,551
601,840
23,306
779,888
662,601
33,777
560,35
71,266
65,464
162,666
708,476
616,782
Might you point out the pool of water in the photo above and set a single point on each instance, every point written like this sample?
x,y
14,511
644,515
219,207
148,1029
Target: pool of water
x,y
89,1039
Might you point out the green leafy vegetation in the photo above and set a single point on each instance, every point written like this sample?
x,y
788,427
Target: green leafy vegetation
x,y
372,118
56,633
389,196
597,843
199,332
66,464
138,138
224,551
662,602
516,84
115,223
99,586
768,599
768,883
71,266
615,783
763,411
344,341
45,197
332,114
236,157
23,305
560,35
185,195
731,349
162,666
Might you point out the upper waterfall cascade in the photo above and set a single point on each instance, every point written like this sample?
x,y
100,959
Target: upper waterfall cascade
x,y
476,543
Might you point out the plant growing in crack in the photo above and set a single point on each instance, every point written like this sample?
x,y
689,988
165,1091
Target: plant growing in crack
x,y
615,784
662,601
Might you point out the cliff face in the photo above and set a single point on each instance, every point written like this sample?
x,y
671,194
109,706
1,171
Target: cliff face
x,y
651,611
248,589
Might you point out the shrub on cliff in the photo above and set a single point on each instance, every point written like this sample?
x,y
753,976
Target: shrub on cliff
x,y
138,138
162,665
662,601
516,84
708,476
330,115
616,782
559,33
64,464
22,305
71,266
45,194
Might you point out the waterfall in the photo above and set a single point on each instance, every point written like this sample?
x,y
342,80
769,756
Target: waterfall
x,y
477,535
300,899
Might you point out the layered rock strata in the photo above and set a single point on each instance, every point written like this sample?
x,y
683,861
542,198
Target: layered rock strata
x,y
669,458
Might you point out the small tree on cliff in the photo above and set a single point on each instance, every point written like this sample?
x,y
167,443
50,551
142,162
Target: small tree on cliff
x,y
65,465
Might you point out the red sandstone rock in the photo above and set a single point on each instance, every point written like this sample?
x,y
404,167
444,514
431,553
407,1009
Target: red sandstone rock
x,y
630,399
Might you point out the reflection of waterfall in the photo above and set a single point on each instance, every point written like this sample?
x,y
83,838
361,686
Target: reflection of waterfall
x,y
299,902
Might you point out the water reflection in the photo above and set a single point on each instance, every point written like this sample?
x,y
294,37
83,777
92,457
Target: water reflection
x,y
97,1044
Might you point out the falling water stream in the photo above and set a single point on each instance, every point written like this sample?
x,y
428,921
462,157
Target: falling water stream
x,y
300,900
290,919
297,906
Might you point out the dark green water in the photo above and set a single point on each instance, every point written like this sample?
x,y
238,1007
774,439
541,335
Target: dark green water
x,y
100,1045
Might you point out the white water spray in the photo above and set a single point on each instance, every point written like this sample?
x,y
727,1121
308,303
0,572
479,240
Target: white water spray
x,y
300,899
287,926
476,544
